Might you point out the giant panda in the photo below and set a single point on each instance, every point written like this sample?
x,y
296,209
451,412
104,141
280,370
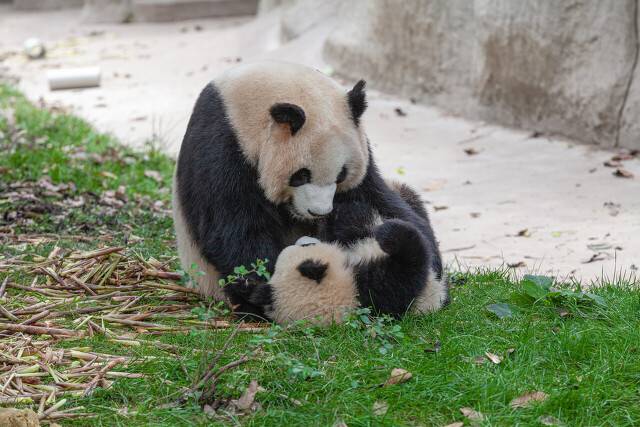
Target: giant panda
x,y
269,149
322,282
365,261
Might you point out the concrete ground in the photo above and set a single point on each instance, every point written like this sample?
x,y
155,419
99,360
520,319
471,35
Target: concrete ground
x,y
496,196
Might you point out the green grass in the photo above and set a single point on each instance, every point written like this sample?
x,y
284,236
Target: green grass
x,y
585,356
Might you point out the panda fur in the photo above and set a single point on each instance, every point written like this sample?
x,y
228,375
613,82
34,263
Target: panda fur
x,y
321,282
239,191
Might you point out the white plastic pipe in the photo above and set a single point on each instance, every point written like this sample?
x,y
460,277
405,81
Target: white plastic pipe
x,y
73,78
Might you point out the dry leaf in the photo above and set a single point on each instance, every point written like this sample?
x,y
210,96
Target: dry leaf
x,y
248,397
622,173
493,357
475,214
524,233
518,264
400,112
612,164
472,414
340,423
510,351
155,175
528,399
457,424
471,151
398,376
380,408
622,156
548,420
440,208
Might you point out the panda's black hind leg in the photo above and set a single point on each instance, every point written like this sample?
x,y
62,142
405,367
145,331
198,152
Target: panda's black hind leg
x,y
401,241
391,283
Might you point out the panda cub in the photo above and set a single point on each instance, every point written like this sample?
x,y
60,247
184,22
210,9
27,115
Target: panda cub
x,y
386,264
320,282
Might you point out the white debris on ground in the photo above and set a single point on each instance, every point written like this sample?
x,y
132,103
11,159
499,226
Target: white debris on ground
x,y
496,196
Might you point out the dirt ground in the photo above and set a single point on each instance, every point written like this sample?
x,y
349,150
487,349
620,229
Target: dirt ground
x,y
496,196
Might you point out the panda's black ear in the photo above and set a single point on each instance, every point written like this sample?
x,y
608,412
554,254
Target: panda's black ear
x,y
312,269
357,99
291,114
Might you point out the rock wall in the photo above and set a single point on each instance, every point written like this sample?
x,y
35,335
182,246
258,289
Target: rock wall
x,y
561,67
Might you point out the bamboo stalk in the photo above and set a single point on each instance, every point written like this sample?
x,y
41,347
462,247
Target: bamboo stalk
x,y
94,382
96,253
39,330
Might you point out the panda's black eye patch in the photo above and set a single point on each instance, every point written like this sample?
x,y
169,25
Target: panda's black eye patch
x,y
342,175
301,177
312,269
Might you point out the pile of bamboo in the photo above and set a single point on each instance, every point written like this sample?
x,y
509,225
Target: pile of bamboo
x,y
66,296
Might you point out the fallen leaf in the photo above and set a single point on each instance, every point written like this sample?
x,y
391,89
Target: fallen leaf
x,y
518,264
623,156
457,424
440,208
595,257
510,351
437,345
548,420
380,408
524,233
612,164
501,310
400,112
340,423
246,401
108,174
155,175
622,173
471,151
479,360
528,399
208,409
398,376
493,357
536,134
472,414
475,214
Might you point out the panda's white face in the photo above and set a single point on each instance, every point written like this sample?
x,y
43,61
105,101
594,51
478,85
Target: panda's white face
x,y
289,119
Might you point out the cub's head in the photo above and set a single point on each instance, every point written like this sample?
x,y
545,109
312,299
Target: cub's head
x,y
312,281
301,131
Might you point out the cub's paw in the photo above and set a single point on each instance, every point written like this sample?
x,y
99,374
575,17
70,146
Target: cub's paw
x,y
398,237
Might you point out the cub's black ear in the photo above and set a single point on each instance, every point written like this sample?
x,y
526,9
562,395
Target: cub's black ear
x,y
357,99
290,114
312,269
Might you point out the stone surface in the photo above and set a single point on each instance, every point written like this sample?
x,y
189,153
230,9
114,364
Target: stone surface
x,y
556,67
630,121
177,10
46,4
11,417
107,11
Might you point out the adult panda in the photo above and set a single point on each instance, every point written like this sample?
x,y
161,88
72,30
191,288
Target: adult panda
x,y
268,149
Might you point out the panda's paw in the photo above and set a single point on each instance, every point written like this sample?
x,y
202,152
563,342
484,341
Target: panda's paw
x,y
350,222
398,237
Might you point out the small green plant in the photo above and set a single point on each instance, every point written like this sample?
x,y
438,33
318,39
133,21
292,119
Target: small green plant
x,y
258,268
212,310
540,291
382,329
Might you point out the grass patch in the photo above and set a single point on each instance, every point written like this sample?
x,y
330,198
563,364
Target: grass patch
x,y
60,179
